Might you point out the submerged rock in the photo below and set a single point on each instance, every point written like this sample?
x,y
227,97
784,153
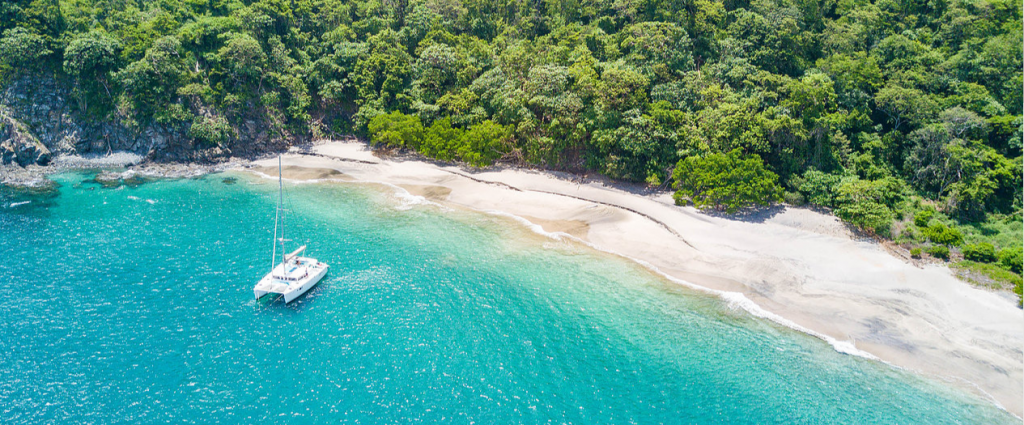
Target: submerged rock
x,y
139,174
31,179
111,179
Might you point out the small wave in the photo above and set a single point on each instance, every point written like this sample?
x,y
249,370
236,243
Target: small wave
x,y
292,181
536,228
18,204
732,299
136,198
409,200
740,301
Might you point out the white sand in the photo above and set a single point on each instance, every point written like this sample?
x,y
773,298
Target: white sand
x,y
799,267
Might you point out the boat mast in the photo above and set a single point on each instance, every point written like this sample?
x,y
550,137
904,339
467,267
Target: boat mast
x,y
277,217
280,207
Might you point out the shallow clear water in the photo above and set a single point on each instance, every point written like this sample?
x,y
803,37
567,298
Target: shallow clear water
x,y
135,305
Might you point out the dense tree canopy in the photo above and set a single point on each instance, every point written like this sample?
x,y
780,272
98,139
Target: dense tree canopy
x,y
877,109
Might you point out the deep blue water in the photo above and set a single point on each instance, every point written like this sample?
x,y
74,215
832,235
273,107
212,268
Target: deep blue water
x,y
134,305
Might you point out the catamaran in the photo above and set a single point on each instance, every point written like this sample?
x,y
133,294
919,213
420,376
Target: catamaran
x,y
295,274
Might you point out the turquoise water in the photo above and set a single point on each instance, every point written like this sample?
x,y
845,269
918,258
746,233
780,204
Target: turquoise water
x,y
135,305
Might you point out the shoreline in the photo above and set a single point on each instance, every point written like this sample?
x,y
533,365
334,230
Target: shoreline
x,y
799,268
796,267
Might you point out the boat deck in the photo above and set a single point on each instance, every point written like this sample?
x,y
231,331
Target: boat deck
x,y
285,277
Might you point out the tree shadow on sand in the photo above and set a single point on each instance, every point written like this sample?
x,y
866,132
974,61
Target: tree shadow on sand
x,y
749,215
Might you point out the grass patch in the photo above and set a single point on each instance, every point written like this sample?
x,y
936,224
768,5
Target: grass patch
x,y
989,276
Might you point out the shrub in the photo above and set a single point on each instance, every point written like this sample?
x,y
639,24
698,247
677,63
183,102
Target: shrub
x,y
868,203
922,218
211,130
819,187
939,251
941,234
982,252
442,141
867,215
728,181
396,129
484,143
1011,259
915,252
794,198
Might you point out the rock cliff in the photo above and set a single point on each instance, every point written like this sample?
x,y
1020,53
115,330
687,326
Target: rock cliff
x,y
40,119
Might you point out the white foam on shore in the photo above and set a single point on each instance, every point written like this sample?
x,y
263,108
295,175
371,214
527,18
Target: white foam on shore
x,y
293,181
407,199
734,300
536,228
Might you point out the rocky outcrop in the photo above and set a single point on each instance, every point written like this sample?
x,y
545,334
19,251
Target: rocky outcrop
x,y
18,144
40,120
42,108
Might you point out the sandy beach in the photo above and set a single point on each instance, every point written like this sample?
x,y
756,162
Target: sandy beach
x,y
801,268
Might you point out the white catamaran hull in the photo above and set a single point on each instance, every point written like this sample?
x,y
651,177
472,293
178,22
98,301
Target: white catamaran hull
x,y
293,287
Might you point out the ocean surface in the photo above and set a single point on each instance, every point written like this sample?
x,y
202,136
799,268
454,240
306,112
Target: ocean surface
x,y
134,305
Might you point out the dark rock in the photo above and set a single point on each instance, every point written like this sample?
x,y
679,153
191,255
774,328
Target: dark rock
x,y
47,123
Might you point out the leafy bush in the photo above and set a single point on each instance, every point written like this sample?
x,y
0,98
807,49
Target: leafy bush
x,y
819,187
728,181
867,203
941,234
442,141
982,252
211,130
1011,259
922,218
484,143
939,251
794,198
396,129
480,145
915,252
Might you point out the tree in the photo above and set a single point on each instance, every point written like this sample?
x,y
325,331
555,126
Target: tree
x,y
383,72
904,105
622,88
728,181
89,58
21,49
151,81
244,58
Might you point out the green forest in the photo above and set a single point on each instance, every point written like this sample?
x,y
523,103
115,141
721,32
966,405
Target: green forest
x,y
903,117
